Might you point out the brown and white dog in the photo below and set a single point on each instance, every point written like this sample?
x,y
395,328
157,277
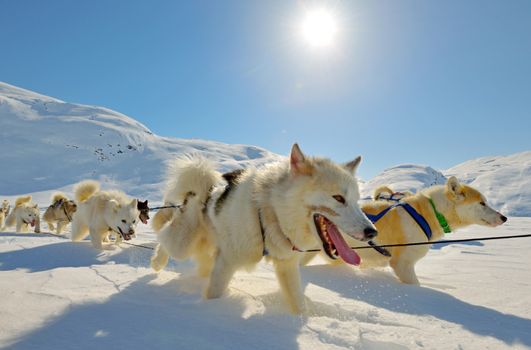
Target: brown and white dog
x,y
60,212
143,207
460,204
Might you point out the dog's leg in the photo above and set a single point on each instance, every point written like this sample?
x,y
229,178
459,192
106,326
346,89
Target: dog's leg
x,y
79,230
38,224
20,226
60,226
160,257
96,237
307,258
288,276
404,270
203,257
219,277
51,227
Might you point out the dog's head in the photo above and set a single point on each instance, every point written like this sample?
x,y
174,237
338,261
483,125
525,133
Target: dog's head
x,y
122,218
328,193
144,211
29,214
471,206
70,207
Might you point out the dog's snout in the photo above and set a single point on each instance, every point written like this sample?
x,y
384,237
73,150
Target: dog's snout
x,y
369,232
131,232
503,218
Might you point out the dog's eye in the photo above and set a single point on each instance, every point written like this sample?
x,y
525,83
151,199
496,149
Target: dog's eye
x,y
123,221
339,198
134,221
482,203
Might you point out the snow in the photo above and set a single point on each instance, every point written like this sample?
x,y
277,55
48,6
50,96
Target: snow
x,y
505,180
59,294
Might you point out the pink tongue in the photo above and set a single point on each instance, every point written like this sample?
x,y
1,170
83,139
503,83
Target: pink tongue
x,y
33,223
342,247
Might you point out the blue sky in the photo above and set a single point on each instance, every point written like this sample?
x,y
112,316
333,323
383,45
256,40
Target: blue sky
x,y
428,82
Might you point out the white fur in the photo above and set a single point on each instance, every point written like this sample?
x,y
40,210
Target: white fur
x,y
101,212
23,215
225,238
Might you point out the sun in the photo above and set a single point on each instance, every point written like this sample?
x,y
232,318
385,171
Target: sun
x,y
319,28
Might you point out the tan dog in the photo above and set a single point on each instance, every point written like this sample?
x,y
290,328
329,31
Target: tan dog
x,y
460,204
59,212
23,215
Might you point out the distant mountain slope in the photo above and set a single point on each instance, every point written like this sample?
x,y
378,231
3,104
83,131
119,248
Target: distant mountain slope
x,y
47,143
406,177
505,180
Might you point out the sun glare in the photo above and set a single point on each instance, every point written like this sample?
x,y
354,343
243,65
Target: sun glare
x,y
319,28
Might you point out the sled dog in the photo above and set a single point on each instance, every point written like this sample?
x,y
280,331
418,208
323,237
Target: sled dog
x,y
101,212
230,221
24,214
60,212
143,208
461,206
4,213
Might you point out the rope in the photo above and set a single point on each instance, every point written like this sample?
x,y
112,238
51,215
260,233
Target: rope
x,y
165,207
444,241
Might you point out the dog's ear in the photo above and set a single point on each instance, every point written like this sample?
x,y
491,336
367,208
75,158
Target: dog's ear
x,y
134,203
299,165
454,188
36,206
352,166
114,205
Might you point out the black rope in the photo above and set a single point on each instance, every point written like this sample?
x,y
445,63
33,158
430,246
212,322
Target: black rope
x,y
165,207
444,241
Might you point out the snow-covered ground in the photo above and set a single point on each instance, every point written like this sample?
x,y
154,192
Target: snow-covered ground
x,y
55,294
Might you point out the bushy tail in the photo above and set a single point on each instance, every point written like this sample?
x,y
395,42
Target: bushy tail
x,y
22,200
380,190
59,196
85,189
187,178
189,183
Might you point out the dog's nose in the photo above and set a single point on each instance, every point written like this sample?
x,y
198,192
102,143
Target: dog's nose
x,y
131,232
503,218
369,232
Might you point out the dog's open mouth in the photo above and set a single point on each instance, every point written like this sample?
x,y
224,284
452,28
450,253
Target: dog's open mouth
x,y
125,236
333,243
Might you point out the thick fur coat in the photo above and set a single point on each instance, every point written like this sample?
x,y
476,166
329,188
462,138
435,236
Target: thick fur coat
x,y
24,214
100,213
226,222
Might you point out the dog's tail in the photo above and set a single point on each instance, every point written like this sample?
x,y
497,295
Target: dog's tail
x,y
186,178
380,190
22,200
59,196
85,189
189,183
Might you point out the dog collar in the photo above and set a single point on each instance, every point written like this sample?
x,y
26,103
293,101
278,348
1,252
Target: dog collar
x,y
440,217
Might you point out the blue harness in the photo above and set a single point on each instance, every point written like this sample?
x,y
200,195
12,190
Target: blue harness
x,y
419,219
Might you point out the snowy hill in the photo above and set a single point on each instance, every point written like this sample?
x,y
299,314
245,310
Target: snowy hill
x,y
407,177
505,180
47,144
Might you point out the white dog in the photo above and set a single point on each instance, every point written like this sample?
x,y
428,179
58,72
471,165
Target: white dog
x,y
4,212
101,212
228,222
23,215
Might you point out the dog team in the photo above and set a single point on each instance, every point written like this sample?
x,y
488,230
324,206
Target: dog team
x,y
227,222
